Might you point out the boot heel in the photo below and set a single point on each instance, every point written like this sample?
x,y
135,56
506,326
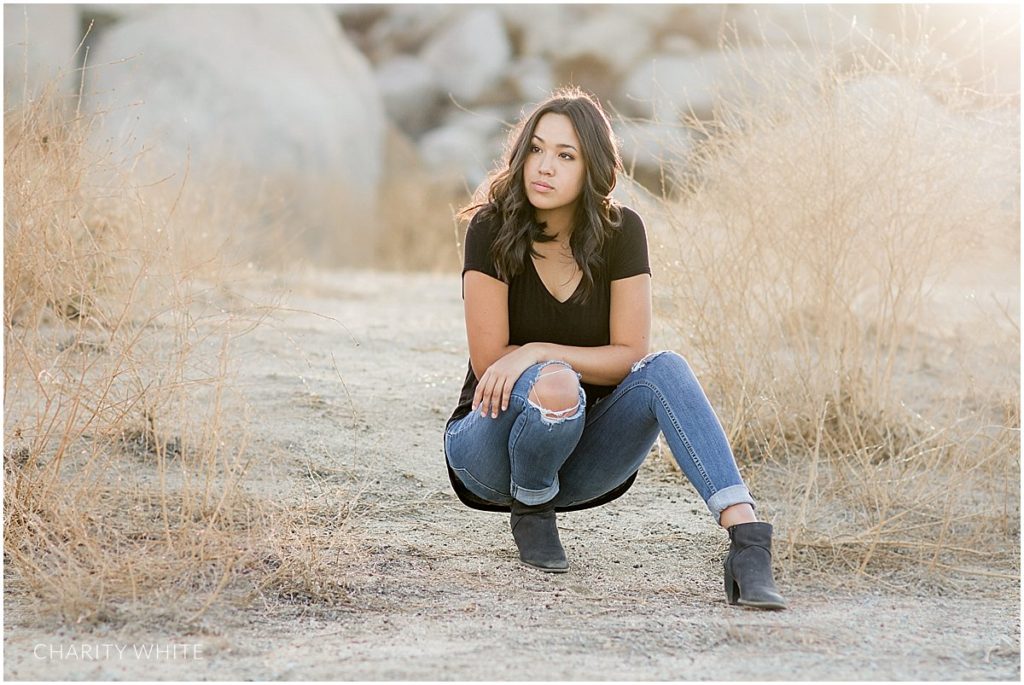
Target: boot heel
x,y
732,590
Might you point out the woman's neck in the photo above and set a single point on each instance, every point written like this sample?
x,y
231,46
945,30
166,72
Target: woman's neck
x,y
558,223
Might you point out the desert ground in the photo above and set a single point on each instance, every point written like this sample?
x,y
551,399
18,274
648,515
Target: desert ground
x,y
348,387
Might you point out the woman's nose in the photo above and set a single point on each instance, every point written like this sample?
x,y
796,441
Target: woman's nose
x,y
545,165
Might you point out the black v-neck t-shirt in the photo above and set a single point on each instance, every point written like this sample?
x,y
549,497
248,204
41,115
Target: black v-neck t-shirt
x,y
534,315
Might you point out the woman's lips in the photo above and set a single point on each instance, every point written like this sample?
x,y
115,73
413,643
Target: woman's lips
x,y
541,187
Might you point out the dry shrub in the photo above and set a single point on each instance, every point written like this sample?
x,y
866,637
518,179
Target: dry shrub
x,y
416,208
805,239
125,444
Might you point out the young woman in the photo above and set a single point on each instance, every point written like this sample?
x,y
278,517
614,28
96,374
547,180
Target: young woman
x,y
562,402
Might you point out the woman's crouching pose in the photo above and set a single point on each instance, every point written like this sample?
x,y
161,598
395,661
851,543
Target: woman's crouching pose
x,y
561,402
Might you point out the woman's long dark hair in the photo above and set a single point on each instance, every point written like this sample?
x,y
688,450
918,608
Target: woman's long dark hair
x,y
596,213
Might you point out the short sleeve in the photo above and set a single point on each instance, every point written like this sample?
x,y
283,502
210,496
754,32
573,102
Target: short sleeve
x,y
479,236
628,256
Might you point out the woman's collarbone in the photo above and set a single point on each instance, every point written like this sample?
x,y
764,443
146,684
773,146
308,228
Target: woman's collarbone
x,y
559,278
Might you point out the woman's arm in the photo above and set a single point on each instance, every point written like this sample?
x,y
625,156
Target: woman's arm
x,y
629,334
498,365
486,304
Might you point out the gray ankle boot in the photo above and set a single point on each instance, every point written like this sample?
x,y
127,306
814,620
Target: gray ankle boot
x,y
748,567
536,535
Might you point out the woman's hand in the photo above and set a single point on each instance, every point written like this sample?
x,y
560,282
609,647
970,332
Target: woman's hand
x,y
495,386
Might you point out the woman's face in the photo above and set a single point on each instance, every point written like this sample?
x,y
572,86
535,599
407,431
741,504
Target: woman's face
x,y
554,171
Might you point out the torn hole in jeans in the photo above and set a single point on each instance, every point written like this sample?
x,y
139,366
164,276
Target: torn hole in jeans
x,y
553,417
640,364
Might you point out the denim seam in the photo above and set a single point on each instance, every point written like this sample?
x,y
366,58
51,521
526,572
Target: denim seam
x,y
469,474
675,424
448,434
682,434
513,440
517,430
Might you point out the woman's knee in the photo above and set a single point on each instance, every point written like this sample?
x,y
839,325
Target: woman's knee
x,y
665,363
556,391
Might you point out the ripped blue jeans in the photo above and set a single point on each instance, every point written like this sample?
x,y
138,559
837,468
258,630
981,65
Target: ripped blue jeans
x,y
577,455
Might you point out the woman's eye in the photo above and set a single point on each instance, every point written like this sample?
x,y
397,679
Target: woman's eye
x,y
567,156
534,148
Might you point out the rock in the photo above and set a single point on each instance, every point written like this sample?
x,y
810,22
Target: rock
x,y
469,55
531,78
672,87
661,87
588,73
270,94
653,17
117,11
39,50
361,14
648,149
677,44
455,148
468,143
541,31
404,29
410,92
614,37
783,25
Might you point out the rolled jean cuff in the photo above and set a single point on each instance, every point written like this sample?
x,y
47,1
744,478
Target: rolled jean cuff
x,y
726,497
534,497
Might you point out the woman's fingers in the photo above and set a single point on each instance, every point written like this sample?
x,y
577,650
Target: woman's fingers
x,y
486,392
501,398
481,394
506,394
478,393
492,394
494,389
485,395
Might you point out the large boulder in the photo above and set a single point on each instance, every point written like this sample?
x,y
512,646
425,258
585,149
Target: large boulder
x,y
541,30
468,143
410,91
780,25
39,50
404,29
470,54
673,87
531,79
653,152
272,95
665,85
616,38
678,44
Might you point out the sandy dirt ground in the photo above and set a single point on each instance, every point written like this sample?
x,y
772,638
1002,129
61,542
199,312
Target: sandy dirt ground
x,y
352,388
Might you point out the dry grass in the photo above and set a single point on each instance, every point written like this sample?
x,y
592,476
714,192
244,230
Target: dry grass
x,y
416,209
126,452
802,250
